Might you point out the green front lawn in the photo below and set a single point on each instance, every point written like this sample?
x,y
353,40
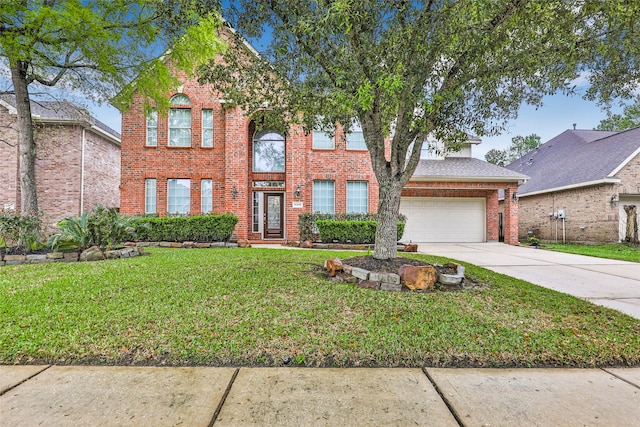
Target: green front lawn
x,y
613,251
265,307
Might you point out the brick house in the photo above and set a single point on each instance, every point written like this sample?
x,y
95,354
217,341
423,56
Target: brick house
x,y
580,182
77,162
207,156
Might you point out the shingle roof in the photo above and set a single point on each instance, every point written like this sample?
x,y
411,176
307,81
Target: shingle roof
x,y
62,111
464,169
575,157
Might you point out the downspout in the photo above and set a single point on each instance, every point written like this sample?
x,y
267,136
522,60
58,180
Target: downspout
x,y
82,172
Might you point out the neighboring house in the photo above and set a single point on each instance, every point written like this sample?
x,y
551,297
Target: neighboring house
x,y
579,183
77,160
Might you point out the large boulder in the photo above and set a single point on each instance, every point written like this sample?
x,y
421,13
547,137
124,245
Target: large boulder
x,y
333,265
92,254
418,278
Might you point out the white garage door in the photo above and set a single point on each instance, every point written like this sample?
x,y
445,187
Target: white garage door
x,y
439,219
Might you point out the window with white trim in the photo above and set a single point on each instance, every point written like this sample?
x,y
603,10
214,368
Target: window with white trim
x,y
324,196
207,128
152,129
206,196
150,196
357,197
255,226
323,140
178,196
180,121
268,152
355,141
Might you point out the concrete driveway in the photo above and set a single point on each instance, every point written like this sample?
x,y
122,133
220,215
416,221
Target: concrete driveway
x,y
610,283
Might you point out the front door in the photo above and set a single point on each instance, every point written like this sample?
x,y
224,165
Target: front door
x,y
274,216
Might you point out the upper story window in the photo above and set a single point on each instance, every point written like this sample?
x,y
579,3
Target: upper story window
x,y
322,140
355,141
207,128
180,121
268,152
152,129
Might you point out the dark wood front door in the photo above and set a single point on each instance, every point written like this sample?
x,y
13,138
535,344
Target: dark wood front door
x,y
273,216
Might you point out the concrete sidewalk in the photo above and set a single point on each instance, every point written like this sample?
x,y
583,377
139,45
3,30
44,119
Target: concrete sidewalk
x,y
611,283
202,396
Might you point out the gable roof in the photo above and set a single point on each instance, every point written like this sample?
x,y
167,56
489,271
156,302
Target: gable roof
x,y
577,158
61,112
463,169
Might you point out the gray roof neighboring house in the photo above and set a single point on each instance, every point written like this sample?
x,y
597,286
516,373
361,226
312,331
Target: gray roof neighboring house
x,y
576,158
464,169
61,112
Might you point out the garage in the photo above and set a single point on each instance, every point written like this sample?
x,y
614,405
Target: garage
x,y
441,219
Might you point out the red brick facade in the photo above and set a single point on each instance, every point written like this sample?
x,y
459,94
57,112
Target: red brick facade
x,y
77,167
229,165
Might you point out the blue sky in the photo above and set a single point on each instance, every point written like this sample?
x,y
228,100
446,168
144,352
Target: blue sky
x,y
558,114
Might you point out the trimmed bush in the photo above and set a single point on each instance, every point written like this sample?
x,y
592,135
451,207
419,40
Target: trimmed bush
x,y
354,231
21,231
200,228
307,221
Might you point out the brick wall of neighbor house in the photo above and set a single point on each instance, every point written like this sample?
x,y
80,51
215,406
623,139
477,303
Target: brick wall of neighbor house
x,y
8,160
589,215
630,177
101,172
58,155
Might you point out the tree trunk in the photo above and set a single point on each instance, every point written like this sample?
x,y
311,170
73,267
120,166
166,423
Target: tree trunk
x,y
632,224
389,193
26,142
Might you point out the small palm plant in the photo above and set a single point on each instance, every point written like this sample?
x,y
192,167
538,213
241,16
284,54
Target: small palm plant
x,y
102,227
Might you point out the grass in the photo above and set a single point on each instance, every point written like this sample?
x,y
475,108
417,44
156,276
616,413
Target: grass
x,y
617,251
266,307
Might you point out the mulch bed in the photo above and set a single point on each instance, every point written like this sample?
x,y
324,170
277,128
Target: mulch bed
x,y
390,265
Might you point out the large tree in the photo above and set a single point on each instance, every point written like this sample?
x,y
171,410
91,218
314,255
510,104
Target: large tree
x,y
520,145
408,69
630,118
96,48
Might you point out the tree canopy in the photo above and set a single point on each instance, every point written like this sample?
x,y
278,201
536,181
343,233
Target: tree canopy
x,y
406,69
520,145
97,48
630,118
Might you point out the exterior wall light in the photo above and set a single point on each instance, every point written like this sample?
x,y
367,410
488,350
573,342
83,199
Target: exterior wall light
x,y
298,192
614,200
514,197
234,192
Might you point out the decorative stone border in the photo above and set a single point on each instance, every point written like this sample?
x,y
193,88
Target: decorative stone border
x,y
128,252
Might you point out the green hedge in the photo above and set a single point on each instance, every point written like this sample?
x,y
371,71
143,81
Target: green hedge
x,y
354,231
307,221
201,228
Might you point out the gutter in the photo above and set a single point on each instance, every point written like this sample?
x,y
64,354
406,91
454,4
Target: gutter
x,y
607,180
84,139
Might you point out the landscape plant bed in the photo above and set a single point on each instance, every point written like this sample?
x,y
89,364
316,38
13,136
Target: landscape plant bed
x,y
272,307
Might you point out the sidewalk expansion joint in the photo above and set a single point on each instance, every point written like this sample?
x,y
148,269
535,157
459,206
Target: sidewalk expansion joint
x,y
620,378
442,396
25,380
224,397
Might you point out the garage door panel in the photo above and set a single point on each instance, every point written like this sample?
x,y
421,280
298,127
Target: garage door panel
x,y
444,220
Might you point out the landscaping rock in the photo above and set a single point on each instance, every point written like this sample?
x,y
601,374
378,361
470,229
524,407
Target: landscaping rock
x,y
369,284
55,255
115,254
360,273
333,265
307,244
92,254
217,245
411,247
200,245
34,258
243,243
15,258
391,287
418,278
70,257
452,279
188,245
385,277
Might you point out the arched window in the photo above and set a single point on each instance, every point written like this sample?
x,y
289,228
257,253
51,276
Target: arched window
x,y
180,121
268,152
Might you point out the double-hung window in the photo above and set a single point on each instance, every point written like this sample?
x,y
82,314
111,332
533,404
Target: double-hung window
x,y
357,197
150,196
152,129
178,196
207,128
355,141
206,196
180,121
324,196
322,140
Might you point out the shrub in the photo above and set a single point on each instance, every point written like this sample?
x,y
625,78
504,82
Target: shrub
x,y
20,231
353,231
200,228
103,227
307,221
